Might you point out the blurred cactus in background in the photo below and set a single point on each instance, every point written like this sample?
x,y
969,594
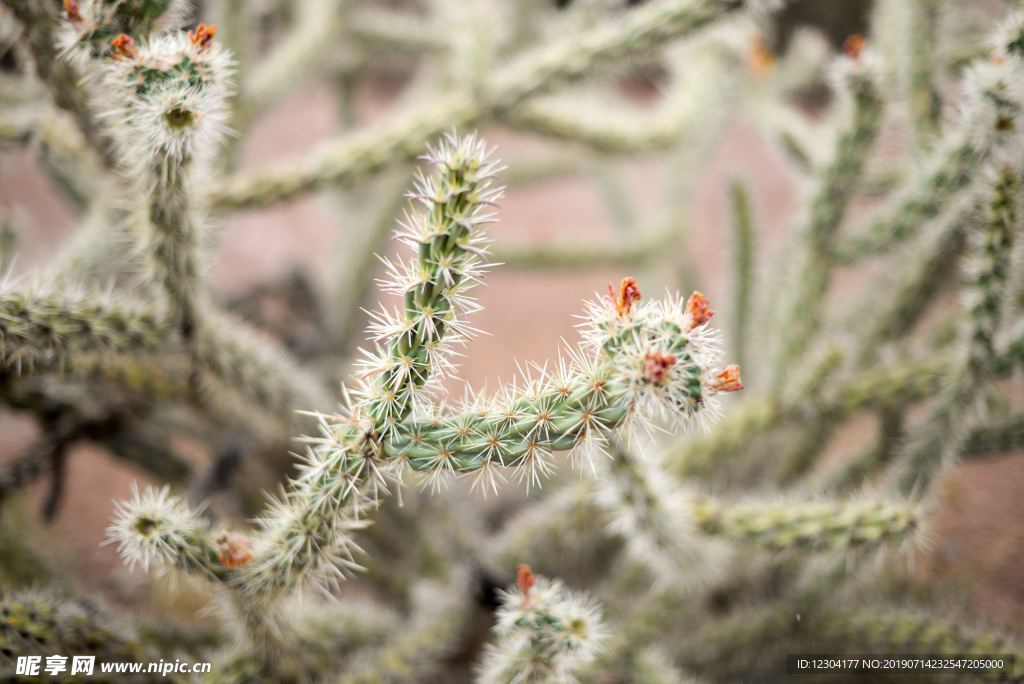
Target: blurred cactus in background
x,y
704,533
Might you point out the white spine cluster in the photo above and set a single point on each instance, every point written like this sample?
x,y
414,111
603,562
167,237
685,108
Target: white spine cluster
x,y
545,633
157,530
168,95
993,99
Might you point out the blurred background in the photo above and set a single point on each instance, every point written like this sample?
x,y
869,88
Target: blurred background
x,y
574,218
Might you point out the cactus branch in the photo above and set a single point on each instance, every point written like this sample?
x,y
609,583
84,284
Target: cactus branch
x,y
352,157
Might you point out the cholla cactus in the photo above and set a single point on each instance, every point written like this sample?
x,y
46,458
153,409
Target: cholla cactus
x,y
545,633
169,92
40,623
638,362
698,555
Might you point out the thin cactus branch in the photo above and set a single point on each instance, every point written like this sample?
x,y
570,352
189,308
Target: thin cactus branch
x,y
998,438
989,116
886,386
857,82
43,328
938,444
827,525
352,157
44,624
60,76
743,266
886,630
317,23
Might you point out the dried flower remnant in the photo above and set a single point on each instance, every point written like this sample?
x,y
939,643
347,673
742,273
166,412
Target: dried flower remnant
x,y
203,36
854,45
656,367
124,47
699,309
72,11
727,380
761,60
234,550
525,580
628,293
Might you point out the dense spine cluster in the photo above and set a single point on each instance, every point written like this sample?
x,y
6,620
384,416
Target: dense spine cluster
x,y
546,633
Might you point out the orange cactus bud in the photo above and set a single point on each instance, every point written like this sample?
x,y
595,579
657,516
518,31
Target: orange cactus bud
x,y
761,59
699,309
628,293
525,579
202,37
728,380
233,550
854,45
72,12
656,367
124,47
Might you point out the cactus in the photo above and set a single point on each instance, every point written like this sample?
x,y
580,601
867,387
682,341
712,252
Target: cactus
x,y
545,633
638,362
705,533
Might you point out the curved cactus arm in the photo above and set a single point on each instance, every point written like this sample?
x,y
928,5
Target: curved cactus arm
x,y
636,361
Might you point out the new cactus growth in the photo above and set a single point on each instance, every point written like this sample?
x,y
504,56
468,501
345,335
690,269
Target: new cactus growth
x,y
546,633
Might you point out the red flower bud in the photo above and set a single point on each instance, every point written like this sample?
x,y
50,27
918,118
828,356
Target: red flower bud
x,y
699,309
656,367
728,380
628,293
202,37
233,550
525,579
124,47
